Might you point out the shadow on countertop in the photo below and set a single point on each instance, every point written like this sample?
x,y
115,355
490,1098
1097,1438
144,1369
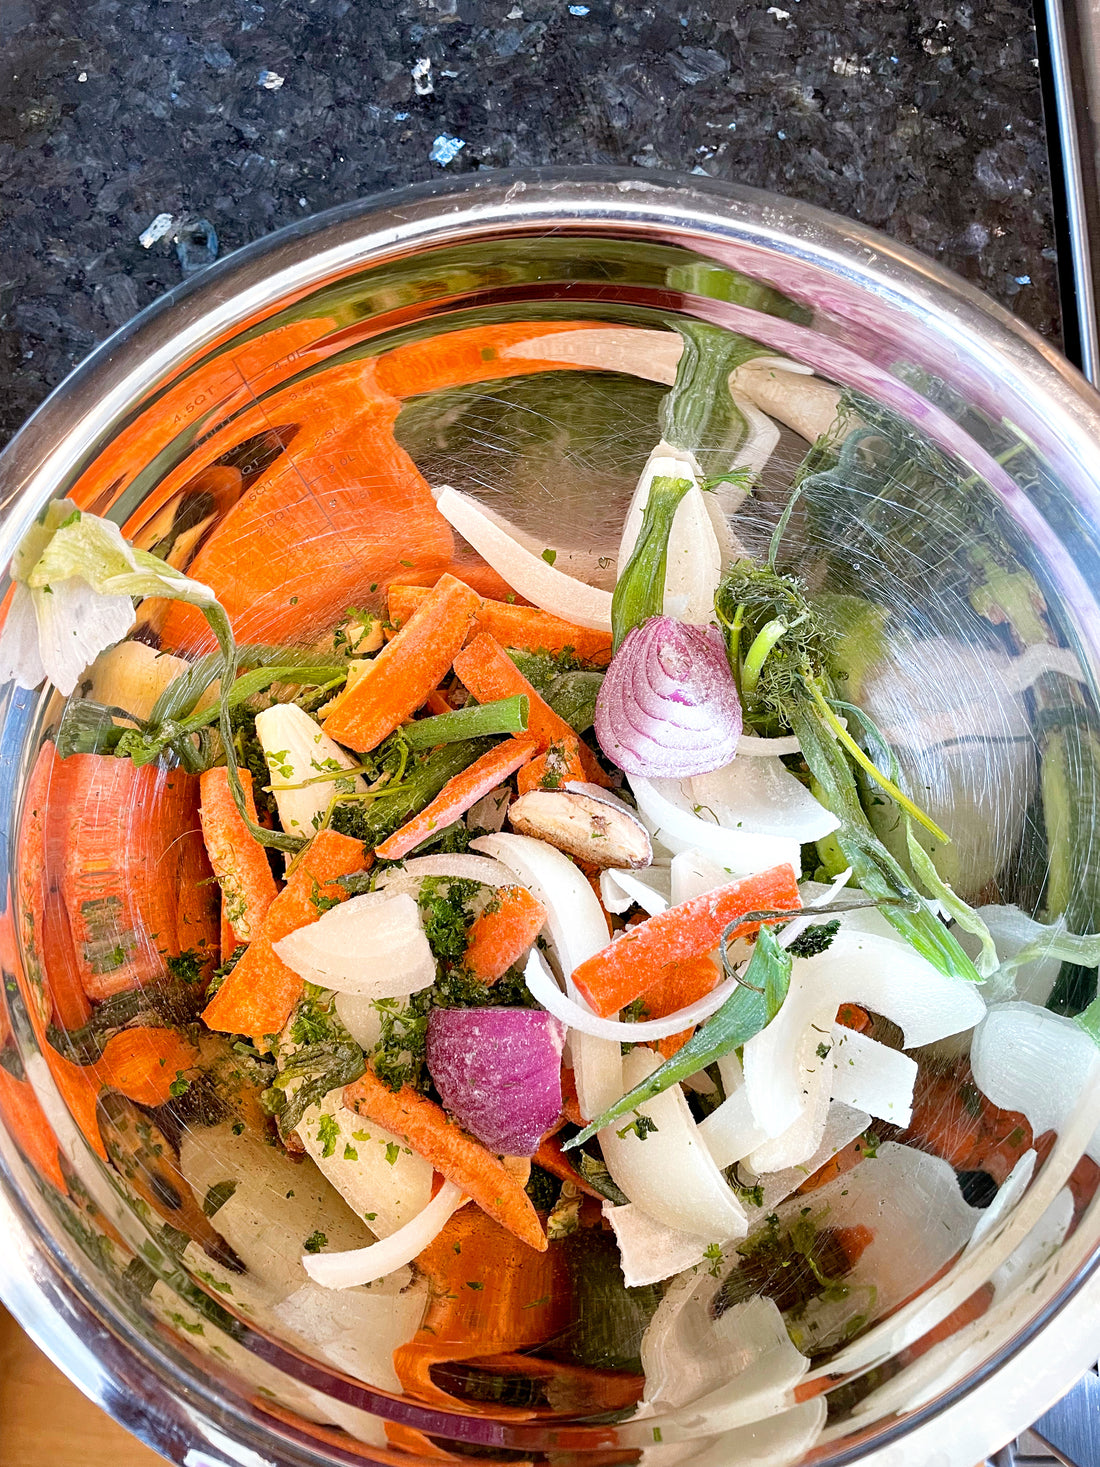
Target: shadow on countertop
x,y
233,117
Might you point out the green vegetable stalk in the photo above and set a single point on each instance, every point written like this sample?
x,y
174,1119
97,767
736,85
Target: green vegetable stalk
x,y
507,716
772,630
640,589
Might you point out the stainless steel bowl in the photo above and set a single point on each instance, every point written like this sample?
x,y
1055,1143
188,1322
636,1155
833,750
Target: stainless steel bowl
x,y
241,369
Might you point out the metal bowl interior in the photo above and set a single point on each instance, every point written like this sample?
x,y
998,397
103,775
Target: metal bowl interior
x,y
275,428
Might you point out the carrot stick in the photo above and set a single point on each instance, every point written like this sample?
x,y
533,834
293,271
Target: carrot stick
x,y
677,985
143,1064
406,670
552,1159
239,861
489,673
431,1133
259,994
515,626
623,970
457,795
436,703
502,933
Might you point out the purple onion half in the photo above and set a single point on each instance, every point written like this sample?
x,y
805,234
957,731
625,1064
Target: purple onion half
x,y
668,706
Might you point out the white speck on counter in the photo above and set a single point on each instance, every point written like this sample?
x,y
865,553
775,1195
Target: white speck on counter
x,y
849,66
422,76
1022,279
446,149
157,230
515,13
271,81
578,10
83,76
779,14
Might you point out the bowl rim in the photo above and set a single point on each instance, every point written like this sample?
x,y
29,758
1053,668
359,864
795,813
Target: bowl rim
x,y
86,406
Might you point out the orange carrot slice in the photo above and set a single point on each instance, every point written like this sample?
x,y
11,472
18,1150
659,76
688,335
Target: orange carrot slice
x,y
852,1017
553,1159
679,984
239,861
623,970
515,626
489,673
458,794
259,994
406,670
143,1064
503,932
428,1129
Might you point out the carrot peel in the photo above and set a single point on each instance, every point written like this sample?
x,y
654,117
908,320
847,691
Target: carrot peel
x,y
457,795
430,1132
622,971
501,935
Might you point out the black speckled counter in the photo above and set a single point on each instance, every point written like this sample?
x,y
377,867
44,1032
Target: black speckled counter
x,y
922,120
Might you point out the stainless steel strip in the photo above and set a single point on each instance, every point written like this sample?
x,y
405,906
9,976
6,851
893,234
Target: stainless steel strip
x,y
1072,110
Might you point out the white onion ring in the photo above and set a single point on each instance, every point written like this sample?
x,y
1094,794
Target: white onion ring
x,y
668,707
363,1265
457,867
541,983
531,576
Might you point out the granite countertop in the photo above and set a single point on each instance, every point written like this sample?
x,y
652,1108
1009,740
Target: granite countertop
x,y
246,115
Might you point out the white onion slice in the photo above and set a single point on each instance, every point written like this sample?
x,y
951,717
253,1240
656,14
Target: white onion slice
x,y
491,811
842,1126
1027,1059
693,562
788,392
372,945
649,1251
873,1077
756,747
634,350
1008,1194
886,976
581,1020
730,1132
620,890
364,1265
360,1016
797,1142
756,448
578,930
912,1204
668,813
379,1175
664,462
458,867
764,797
699,1199
528,574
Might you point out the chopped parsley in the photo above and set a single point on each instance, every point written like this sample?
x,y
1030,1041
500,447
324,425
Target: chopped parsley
x,y
315,1242
641,1126
328,1133
816,939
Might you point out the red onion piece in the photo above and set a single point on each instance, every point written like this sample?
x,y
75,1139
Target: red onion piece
x,y
498,1071
668,706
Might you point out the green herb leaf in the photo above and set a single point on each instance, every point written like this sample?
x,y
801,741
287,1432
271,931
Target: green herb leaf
x,y
743,1014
